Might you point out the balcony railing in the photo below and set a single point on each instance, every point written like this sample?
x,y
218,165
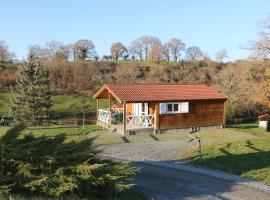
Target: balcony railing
x,y
104,115
132,121
140,121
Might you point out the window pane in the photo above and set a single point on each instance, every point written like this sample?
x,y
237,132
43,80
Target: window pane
x,y
175,107
169,107
143,107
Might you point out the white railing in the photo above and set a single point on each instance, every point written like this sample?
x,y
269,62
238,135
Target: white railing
x,y
104,115
140,121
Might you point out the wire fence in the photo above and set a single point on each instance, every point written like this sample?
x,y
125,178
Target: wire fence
x,y
7,121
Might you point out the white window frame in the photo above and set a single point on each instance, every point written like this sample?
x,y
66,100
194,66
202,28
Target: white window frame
x,y
173,111
180,108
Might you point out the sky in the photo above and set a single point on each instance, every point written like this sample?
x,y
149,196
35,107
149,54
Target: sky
x,y
209,24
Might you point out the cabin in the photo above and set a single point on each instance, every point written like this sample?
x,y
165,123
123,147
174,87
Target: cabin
x,y
159,108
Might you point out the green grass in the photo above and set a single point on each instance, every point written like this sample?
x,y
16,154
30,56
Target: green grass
x,y
4,102
251,128
248,157
122,196
237,150
105,137
63,105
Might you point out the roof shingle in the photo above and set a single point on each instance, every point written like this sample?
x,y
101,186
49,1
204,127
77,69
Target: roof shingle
x,y
162,92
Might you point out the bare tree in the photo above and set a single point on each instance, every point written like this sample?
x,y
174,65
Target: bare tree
x,y
36,52
83,49
176,46
158,53
194,53
118,50
51,51
221,55
260,49
63,53
5,54
148,42
136,49
142,46
167,51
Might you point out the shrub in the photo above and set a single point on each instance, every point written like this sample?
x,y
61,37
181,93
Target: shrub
x,y
54,167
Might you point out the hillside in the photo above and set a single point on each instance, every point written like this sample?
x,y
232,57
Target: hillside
x,y
242,81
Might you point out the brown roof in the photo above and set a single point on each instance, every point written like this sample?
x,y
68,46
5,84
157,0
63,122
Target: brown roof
x,y
160,92
265,116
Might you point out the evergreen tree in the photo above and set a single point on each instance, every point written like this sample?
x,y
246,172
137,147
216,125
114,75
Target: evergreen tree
x,y
32,95
53,167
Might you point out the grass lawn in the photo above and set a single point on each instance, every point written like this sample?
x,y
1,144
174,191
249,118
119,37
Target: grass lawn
x,y
247,157
122,196
243,151
64,105
104,137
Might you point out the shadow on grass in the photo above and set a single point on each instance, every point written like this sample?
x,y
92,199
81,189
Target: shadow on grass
x,y
125,139
251,146
154,137
238,163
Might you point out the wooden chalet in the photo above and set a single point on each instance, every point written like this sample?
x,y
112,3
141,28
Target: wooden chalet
x,y
159,107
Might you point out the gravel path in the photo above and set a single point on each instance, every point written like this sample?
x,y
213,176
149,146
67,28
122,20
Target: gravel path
x,y
162,177
149,150
170,181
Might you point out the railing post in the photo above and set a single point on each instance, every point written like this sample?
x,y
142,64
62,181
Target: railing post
x,y
110,109
97,110
124,118
156,119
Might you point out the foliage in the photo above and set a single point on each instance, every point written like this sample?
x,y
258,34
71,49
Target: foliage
x,y
32,99
52,167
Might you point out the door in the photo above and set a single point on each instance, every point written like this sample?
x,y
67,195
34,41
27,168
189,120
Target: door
x,y
140,109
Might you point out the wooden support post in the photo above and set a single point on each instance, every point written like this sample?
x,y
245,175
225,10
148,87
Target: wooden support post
x,y
156,117
110,108
124,118
194,141
97,109
224,113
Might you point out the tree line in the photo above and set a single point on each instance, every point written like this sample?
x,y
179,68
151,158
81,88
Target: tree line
x,y
144,48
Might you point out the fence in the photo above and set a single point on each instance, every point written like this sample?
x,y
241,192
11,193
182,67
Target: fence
x,y
140,121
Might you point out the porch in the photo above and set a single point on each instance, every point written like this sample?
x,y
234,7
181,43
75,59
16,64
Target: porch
x,y
122,117
119,122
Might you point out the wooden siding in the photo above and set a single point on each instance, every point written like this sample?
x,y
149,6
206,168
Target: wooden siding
x,y
151,108
200,114
129,108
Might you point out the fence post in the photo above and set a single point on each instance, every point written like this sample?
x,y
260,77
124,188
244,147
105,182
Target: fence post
x,y
194,141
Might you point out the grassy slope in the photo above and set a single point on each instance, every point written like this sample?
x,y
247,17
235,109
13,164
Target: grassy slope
x,y
248,158
64,105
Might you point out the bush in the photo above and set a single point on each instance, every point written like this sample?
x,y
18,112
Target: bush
x,y
53,167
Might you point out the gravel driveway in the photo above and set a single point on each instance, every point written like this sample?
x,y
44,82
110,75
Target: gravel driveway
x,y
148,150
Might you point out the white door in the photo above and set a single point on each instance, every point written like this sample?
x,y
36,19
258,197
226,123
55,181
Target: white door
x,y
140,109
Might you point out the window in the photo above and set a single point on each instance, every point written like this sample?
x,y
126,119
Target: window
x,y
174,107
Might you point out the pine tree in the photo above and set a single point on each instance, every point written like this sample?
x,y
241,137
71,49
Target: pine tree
x,y
32,95
53,167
